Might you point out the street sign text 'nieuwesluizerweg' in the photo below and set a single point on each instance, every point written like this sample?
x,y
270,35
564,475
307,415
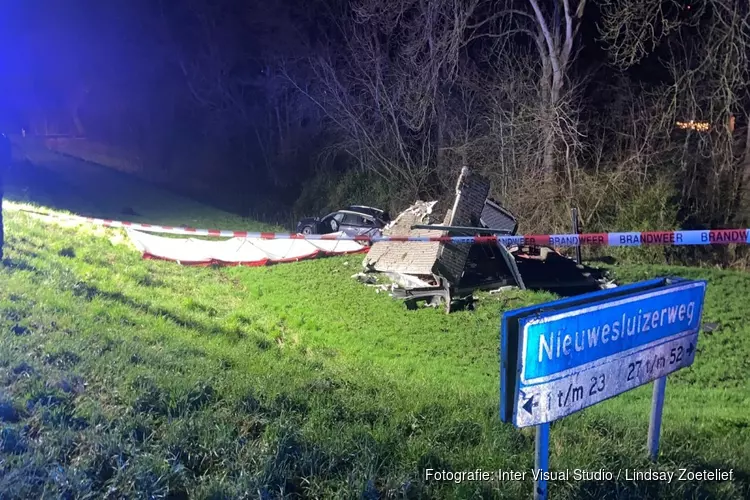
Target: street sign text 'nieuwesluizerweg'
x,y
563,356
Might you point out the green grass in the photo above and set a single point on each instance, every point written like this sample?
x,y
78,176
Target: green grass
x,y
127,378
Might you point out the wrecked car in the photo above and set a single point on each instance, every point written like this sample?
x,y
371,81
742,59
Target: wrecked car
x,y
354,220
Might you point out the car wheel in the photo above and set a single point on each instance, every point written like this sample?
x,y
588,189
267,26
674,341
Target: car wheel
x,y
307,230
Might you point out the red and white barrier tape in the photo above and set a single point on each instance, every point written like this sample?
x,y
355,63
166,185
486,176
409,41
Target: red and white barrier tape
x,y
689,237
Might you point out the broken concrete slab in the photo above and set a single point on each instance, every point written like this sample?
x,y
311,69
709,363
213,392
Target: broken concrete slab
x,y
471,195
415,258
428,258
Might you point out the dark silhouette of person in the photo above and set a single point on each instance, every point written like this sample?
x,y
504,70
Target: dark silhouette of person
x,y
5,161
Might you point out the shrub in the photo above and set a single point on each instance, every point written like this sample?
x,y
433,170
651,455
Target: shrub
x,y
607,202
330,191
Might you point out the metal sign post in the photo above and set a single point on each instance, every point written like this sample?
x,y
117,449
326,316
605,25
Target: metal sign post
x,y
541,460
563,356
576,230
654,423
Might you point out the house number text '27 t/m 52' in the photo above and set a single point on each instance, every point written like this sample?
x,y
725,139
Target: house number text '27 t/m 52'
x,y
571,359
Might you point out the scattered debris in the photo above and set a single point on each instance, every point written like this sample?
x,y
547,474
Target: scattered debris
x,y
709,328
367,279
406,281
449,273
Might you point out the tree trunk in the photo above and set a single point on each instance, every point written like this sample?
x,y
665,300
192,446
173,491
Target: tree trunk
x,y
548,158
549,162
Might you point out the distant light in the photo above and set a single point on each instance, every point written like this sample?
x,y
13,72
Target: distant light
x,y
693,125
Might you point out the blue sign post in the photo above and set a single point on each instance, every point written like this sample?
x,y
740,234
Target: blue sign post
x,y
560,357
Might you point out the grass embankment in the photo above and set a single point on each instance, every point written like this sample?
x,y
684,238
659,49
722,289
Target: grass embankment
x,y
121,375
125,378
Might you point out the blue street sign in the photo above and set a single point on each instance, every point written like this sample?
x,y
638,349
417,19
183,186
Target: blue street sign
x,y
574,353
